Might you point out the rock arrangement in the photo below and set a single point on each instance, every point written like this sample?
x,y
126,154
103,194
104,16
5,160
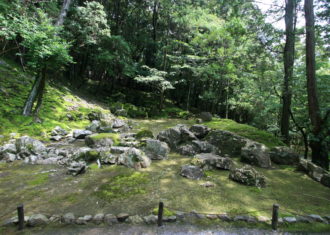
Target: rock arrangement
x,y
248,176
38,220
315,172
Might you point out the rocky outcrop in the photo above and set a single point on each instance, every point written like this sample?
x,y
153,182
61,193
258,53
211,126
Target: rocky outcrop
x,y
208,161
256,154
191,172
37,220
248,176
284,156
81,134
76,168
200,131
205,116
100,140
134,158
156,150
58,133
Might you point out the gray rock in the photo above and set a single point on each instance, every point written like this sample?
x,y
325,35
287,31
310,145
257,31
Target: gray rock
x,y
245,218
303,219
68,218
325,180
208,184
315,172
76,168
58,131
179,214
110,219
187,149
96,140
118,123
284,156
263,219
256,154
212,216
95,126
316,218
81,134
98,218
200,131
191,172
8,148
55,219
169,219
150,219
209,161
8,157
37,220
27,145
248,176
56,138
327,217
118,149
302,165
290,220
205,116
135,219
229,143
122,217
134,158
203,147
81,221
88,217
13,221
156,150
225,217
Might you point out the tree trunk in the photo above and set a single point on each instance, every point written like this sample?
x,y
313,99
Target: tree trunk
x,y
64,11
40,92
27,110
288,68
317,144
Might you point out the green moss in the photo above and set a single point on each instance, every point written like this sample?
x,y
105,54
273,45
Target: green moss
x,y
114,136
123,186
144,133
303,227
247,131
38,179
166,212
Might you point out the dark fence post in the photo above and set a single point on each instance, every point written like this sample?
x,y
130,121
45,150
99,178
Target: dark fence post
x,y
20,212
275,216
160,213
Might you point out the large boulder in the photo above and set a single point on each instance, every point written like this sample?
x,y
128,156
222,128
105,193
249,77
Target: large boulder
x,y
76,168
205,116
208,161
101,140
191,172
204,147
256,154
325,180
200,131
176,135
188,149
27,146
156,150
8,153
37,220
229,143
118,123
284,156
315,172
81,134
248,176
134,158
94,126
58,131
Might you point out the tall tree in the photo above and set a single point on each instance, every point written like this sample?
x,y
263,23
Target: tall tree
x,y
318,141
290,9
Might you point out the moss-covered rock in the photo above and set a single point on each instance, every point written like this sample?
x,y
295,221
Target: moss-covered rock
x,y
102,140
144,133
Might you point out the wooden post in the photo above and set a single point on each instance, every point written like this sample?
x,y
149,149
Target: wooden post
x,y
160,214
20,212
275,216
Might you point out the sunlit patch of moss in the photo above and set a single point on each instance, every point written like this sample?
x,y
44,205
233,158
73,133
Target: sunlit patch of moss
x,y
114,136
93,167
166,212
144,133
123,186
38,179
247,131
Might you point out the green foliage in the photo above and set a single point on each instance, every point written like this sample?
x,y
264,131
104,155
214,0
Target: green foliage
x,y
166,212
114,136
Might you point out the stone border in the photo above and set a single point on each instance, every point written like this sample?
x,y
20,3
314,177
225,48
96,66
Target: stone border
x,y
37,220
